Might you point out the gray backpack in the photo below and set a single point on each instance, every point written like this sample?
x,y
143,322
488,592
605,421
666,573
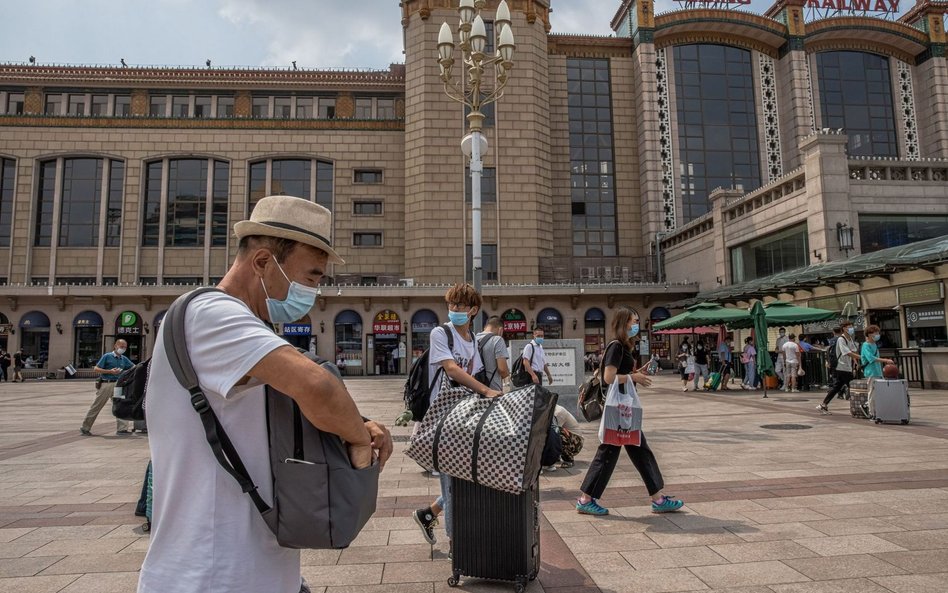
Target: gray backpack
x,y
319,500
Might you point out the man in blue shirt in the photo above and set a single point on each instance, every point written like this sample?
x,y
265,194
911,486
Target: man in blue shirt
x,y
109,367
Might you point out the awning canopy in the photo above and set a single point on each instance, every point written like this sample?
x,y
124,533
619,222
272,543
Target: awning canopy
x,y
595,314
549,316
922,254
348,317
34,320
88,319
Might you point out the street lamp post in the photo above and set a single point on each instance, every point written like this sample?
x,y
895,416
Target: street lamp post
x,y
468,91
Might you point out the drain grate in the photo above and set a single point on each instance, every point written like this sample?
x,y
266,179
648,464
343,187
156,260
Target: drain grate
x,y
786,426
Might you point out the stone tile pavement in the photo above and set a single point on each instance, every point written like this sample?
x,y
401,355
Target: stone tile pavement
x,y
841,506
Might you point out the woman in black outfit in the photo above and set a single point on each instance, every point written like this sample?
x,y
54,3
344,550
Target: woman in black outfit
x,y
617,364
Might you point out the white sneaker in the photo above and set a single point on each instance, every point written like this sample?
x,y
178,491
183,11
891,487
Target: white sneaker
x,y
435,474
795,391
684,389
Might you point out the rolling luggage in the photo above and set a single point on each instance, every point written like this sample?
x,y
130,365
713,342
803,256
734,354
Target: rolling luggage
x,y
859,398
889,401
496,535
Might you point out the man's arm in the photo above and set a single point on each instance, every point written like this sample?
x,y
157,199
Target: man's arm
x,y
502,367
460,376
549,375
322,398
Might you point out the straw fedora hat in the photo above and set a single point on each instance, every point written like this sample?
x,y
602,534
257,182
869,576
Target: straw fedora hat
x,y
291,218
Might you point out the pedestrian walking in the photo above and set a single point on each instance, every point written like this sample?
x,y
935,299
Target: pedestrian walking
x,y
207,534
749,359
701,364
534,359
726,356
493,353
109,367
617,365
869,354
847,358
5,362
18,366
780,361
460,363
686,363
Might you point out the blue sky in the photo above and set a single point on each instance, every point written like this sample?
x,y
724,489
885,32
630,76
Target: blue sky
x,y
315,33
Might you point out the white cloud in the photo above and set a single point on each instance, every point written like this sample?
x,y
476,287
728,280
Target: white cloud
x,y
586,17
321,34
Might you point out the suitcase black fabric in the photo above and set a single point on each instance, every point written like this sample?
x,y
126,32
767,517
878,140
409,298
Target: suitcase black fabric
x,y
496,535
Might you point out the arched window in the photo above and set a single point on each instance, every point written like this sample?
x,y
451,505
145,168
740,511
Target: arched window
x,y
551,322
303,178
35,340
717,123
90,195
196,198
422,322
856,95
348,329
594,323
87,350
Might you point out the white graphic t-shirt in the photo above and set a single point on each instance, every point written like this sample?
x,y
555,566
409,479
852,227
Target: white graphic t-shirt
x,y
464,353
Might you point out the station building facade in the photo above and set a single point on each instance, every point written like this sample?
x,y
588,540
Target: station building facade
x,y
119,185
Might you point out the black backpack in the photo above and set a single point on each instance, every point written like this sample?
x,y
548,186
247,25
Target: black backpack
x,y
481,375
832,357
520,377
418,386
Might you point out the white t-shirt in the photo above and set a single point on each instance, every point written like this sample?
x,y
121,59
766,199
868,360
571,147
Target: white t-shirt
x,y
790,350
539,358
781,342
565,419
843,348
206,533
464,353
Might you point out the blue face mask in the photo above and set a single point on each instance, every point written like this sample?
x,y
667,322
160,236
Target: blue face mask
x,y
634,330
299,301
539,341
458,317
852,331
876,337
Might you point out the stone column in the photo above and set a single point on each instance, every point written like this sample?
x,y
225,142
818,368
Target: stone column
x,y
827,190
719,198
931,99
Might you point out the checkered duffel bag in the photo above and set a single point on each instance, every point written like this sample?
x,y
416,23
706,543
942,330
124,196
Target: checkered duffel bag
x,y
493,442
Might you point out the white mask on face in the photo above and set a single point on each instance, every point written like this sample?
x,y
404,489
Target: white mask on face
x,y
120,351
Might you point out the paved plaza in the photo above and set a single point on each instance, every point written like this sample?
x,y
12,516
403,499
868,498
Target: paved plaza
x,y
841,506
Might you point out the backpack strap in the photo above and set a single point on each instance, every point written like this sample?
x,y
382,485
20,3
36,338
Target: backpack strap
x,y
602,370
480,350
450,336
183,370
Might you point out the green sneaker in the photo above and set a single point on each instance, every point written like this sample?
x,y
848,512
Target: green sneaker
x,y
591,508
667,504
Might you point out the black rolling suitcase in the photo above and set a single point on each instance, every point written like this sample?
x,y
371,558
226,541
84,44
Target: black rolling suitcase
x,y
496,535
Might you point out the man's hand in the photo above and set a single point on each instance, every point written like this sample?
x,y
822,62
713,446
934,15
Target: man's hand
x,y
642,379
492,393
381,441
535,379
360,456
116,371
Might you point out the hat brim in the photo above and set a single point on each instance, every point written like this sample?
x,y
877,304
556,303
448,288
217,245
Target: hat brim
x,y
246,228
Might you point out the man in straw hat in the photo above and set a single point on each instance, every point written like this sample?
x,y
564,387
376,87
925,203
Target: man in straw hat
x,y
207,534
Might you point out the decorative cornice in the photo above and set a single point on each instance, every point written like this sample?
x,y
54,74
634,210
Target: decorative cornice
x,y
47,121
589,46
668,19
111,76
854,44
717,38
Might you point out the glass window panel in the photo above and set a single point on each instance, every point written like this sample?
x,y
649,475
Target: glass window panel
x,y
157,106
363,108
187,203
291,178
260,107
488,184
282,107
100,105
202,106
304,108
324,184
7,179
327,107
219,202
180,106
113,212
123,106
151,222
54,105
77,105
857,97
258,183
386,108
15,103
44,205
225,107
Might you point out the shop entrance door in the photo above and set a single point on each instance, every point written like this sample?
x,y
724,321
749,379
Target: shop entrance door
x,y
386,354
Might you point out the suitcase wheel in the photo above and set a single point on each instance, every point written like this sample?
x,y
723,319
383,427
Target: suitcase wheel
x,y
520,588
905,421
453,580
878,421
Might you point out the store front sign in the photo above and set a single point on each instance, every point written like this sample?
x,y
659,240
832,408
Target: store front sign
x,y
921,293
925,316
129,324
387,323
887,6
836,303
297,329
6,329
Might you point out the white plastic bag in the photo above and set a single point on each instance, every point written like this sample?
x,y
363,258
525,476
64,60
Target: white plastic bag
x,y
621,422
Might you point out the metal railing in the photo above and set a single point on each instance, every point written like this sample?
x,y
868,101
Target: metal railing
x,y
597,270
910,363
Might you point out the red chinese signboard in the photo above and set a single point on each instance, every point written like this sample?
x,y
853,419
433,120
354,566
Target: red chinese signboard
x,y
387,323
515,326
